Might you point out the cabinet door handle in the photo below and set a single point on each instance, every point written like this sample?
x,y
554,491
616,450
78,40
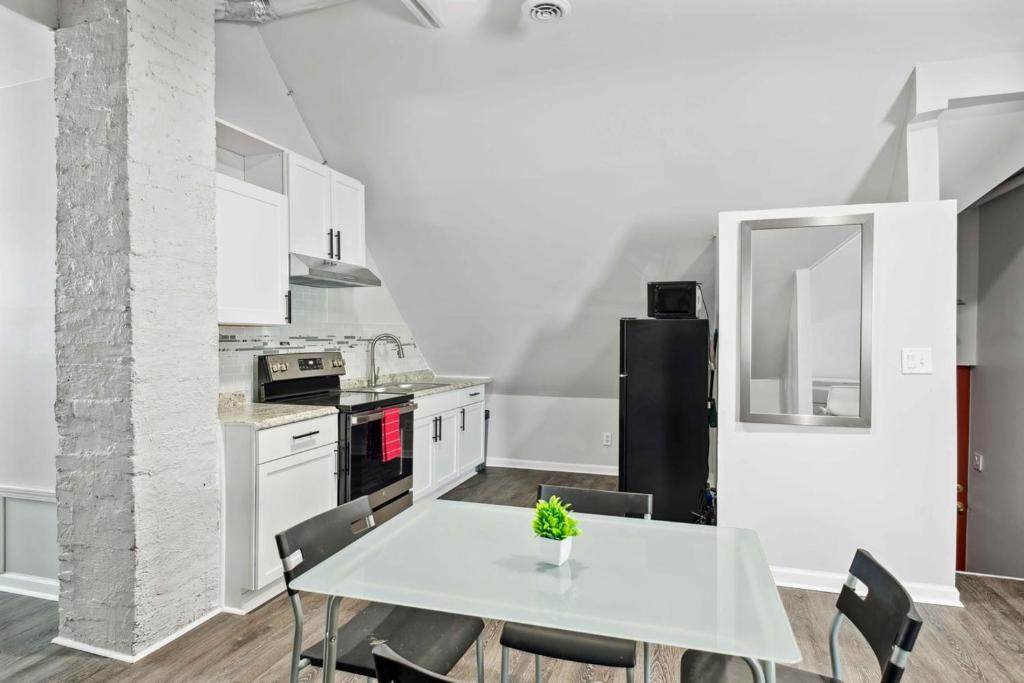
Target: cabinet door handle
x,y
288,306
475,393
337,251
440,429
330,244
463,425
433,424
305,436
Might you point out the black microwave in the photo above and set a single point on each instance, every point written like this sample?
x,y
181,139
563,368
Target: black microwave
x,y
672,299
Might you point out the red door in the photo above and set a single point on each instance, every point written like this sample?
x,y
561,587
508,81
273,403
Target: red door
x,y
963,441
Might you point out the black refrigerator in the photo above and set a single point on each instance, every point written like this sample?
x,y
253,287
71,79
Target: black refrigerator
x,y
663,413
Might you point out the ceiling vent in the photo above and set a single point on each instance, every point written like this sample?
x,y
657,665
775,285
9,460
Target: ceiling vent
x,y
547,11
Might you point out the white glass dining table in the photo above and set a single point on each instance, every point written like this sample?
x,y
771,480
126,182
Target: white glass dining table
x,y
655,582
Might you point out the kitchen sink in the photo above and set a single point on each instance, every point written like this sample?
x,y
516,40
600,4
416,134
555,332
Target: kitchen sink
x,y
406,388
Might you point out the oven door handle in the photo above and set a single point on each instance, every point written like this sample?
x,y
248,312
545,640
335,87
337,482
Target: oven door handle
x,y
375,415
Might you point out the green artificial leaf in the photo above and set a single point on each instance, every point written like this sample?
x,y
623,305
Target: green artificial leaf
x,y
552,520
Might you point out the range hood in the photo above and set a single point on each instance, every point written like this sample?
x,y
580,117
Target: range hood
x,y
313,271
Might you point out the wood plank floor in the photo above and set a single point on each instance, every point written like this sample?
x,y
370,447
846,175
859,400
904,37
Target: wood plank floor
x,y
983,642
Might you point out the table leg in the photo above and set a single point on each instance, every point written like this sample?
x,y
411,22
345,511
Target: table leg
x,y
330,639
769,671
647,663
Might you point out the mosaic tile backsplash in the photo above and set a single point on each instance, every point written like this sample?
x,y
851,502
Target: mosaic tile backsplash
x,y
313,331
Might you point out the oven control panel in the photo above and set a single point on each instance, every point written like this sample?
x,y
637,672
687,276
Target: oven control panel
x,y
294,365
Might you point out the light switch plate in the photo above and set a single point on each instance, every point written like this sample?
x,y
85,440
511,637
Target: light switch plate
x,y
979,462
917,361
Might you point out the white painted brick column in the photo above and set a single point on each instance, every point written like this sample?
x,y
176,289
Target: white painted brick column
x,y
136,326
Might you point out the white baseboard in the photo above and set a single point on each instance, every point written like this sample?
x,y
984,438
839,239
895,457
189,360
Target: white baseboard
x,y
832,582
549,466
131,659
430,494
32,586
992,576
250,600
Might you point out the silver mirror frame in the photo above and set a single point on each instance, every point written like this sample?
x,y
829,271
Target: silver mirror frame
x,y
866,223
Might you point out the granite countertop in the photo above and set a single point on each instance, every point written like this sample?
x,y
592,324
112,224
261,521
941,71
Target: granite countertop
x,y
452,384
235,407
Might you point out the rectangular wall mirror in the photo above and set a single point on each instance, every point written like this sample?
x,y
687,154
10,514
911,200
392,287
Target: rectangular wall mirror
x,y
805,320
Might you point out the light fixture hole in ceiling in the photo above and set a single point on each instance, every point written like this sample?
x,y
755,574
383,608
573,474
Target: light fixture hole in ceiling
x,y
547,11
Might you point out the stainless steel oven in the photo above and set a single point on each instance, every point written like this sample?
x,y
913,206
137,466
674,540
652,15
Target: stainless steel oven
x,y
367,473
314,379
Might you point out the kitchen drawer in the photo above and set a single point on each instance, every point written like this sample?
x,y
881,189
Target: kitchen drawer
x,y
277,442
436,404
471,395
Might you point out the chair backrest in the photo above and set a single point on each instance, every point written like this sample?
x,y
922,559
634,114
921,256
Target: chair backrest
x,y
309,543
886,616
393,668
595,502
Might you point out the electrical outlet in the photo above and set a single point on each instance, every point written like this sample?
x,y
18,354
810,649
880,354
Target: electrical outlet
x,y
606,440
917,361
979,462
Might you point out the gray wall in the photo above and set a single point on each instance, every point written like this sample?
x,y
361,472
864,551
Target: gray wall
x,y
525,181
996,505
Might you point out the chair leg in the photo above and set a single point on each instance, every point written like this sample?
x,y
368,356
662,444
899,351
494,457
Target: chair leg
x,y
536,668
480,658
293,672
629,675
647,663
504,664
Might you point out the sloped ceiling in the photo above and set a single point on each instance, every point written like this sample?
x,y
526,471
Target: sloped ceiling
x,y
524,182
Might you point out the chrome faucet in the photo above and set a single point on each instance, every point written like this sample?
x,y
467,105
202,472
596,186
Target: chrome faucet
x,y
374,370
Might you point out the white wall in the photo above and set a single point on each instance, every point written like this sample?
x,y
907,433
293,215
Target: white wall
x,y
524,180
967,286
835,313
546,432
28,430
814,495
766,395
250,93
996,503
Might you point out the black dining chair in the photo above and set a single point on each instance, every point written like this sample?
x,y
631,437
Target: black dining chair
x,y
886,617
570,645
394,668
436,640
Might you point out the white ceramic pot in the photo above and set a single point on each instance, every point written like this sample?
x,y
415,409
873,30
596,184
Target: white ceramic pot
x,y
554,552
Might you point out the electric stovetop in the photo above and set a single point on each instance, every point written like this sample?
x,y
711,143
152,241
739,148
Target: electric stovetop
x,y
349,401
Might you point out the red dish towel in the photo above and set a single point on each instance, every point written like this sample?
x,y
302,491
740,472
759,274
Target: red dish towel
x,y
391,435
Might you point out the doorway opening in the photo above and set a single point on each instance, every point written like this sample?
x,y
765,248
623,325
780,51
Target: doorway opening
x,y
990,382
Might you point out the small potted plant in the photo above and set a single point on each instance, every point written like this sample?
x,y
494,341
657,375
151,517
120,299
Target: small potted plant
x,y
554,528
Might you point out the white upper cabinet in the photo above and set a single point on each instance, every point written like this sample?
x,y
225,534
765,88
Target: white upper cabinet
x,y
326,212
309,207
252,254
252,230
348,201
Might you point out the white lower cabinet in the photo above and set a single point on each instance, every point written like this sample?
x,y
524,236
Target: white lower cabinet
x,y
274,478
422,443
471,437
290,490
448,439
444,453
